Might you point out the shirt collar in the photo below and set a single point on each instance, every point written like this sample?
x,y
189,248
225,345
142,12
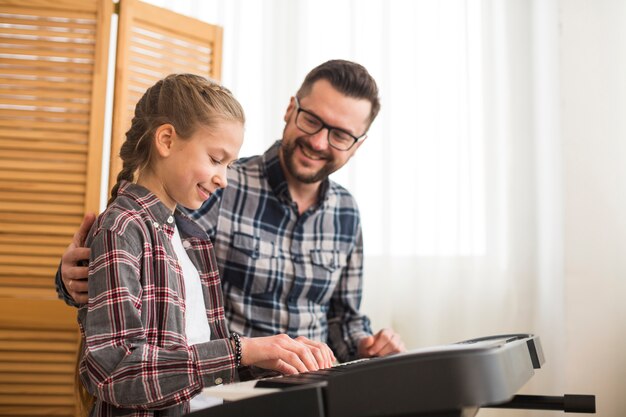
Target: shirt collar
x,y
158,212
276,177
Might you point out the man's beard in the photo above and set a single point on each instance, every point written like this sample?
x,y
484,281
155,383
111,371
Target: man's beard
x,y
289,160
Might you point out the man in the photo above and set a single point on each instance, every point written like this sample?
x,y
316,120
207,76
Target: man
x,y
288,240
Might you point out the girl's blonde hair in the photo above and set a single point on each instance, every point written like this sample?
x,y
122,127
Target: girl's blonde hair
x,y
185,101
182,100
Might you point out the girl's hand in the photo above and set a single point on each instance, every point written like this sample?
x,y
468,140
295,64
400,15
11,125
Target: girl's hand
x,y
323,354
286,355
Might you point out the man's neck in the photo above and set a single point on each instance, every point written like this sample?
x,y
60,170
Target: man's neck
x,y
304,195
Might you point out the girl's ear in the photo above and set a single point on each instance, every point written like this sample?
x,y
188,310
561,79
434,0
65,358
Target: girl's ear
x,y
164,139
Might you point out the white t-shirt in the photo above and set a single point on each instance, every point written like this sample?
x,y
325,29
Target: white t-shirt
x,y
197,326
196,323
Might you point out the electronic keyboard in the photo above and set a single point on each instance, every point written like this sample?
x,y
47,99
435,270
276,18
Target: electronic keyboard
x,y
449,380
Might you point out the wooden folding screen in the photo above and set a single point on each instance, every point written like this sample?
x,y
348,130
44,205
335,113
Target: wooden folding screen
x,y
53,77
53,60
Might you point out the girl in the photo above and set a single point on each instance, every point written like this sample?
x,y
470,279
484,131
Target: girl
x,y
153,332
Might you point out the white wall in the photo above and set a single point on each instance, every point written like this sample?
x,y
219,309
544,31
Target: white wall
x,y
591,112
593,116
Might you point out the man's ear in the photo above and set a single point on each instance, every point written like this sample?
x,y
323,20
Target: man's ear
x,y
164,139
290,108
359,143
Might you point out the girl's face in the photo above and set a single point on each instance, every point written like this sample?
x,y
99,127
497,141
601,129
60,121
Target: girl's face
x,y
191,169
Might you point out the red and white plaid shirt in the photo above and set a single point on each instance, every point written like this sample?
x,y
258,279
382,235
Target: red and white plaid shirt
x,y
136,360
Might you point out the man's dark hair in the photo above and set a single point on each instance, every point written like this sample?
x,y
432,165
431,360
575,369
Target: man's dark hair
x,y
349,78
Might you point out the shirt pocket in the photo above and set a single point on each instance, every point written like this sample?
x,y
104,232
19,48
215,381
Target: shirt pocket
x,y
251,264
327,267
253,246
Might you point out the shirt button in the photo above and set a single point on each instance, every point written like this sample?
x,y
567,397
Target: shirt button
x,y
156,225
186,244
218,381
170,219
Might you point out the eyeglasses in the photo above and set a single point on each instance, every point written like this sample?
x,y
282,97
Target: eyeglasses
x,y
311,124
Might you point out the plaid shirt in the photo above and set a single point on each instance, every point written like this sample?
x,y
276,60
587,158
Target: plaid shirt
x,y
283,272
136,358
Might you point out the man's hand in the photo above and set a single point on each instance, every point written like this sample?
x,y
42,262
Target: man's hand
x,y
383,343
74,276
286,355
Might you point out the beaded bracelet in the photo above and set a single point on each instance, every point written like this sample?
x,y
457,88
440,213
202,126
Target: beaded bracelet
x,y
237,339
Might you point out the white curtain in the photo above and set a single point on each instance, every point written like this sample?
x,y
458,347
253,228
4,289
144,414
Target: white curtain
x,y
459,181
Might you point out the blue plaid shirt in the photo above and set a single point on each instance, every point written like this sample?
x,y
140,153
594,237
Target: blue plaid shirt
x,y
283,272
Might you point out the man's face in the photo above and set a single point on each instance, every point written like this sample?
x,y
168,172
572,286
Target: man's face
x,y
310,158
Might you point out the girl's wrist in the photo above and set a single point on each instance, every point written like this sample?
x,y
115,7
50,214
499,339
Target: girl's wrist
x,y
235,340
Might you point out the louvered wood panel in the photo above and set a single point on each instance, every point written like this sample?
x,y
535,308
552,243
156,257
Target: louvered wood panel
x,y
38,342
153,43
53,61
